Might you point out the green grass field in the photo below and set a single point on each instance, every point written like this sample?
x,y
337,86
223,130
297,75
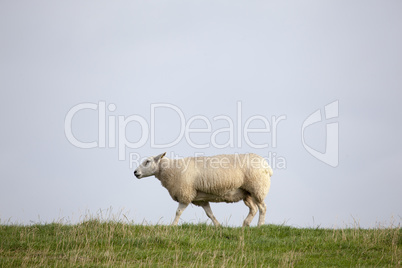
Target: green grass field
x,y
95,243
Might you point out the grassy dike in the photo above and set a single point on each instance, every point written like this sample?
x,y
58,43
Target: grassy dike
x,y
95,244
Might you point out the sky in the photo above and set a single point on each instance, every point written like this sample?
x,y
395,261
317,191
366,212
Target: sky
x,y
89,88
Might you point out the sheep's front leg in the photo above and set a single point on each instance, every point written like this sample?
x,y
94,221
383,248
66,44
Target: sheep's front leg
x,y
179,211
209,213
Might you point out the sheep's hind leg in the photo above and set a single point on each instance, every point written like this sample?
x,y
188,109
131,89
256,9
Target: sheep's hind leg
x,y
179,211
253,210
208,211
263,209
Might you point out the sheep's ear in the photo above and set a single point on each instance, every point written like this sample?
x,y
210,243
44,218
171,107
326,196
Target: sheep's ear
x,y
159,157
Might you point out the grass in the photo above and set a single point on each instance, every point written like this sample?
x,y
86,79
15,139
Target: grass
x,y
96,243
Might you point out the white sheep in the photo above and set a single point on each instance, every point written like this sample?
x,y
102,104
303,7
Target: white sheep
x,y
221,178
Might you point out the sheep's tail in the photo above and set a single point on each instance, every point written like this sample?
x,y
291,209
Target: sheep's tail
x,y
270,171
267,168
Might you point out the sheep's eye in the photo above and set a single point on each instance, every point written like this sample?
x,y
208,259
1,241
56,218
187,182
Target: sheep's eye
x,y
147,162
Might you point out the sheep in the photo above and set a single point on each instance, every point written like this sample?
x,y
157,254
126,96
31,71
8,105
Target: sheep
x,y
220,178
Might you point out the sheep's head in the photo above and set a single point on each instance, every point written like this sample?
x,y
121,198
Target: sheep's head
x,y
149,167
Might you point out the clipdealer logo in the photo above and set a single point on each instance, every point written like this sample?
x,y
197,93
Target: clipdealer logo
x,y
331,154
111,132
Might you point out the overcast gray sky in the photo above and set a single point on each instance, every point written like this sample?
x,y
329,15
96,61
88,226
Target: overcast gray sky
x,y
214,60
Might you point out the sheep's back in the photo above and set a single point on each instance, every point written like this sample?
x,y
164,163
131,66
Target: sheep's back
x,y
222,173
